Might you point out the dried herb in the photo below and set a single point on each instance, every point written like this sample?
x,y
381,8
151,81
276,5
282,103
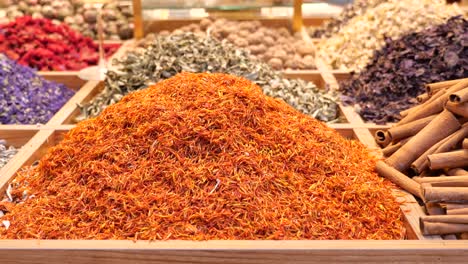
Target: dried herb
x,y
27,98
6,153
169,55
358,7
202,156
45,46
81,17
276,46
353,46
400,70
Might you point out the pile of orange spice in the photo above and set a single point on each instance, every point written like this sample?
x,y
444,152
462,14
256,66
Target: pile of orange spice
x,y
198,157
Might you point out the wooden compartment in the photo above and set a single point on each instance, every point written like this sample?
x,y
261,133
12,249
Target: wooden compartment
x,y
18,136
69,78
429,249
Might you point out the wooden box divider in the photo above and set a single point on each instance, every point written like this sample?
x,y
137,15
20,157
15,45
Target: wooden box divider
x,y
155,26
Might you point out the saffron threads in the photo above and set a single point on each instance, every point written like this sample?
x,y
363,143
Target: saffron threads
x,y
198,157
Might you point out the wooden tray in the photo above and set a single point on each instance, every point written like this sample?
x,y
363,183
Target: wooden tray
x,y
427,249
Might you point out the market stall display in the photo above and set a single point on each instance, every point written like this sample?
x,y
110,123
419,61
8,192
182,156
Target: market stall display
x,y
353,47
26,97
169,55
399,71
140,167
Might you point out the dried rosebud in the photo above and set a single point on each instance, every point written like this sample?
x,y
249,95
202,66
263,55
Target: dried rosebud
x,y
42,45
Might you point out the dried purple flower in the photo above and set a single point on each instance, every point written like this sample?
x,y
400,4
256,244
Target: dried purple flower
x,y
27,98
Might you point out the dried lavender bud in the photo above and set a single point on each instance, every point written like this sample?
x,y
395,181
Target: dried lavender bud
x,y
167,56
358,7
400,70
353,46
6,153
25,97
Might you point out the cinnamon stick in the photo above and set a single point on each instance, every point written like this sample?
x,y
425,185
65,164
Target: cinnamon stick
x,y
398,178
435,106
434,87
390,149
440,179
448,143
406,112
450,183
457,172
409,129
461,211
453,219
432,106
465,143
435,228
459,109
421,163
444,194
452,159
459,97
434,209
454,206
454,140
440,127
382,138
422,97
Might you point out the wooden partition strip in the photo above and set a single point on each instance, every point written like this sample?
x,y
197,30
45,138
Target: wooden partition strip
x,y
27,154
70,106
233,251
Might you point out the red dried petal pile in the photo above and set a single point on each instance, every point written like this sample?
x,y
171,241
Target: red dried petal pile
x,y
203,156
45,46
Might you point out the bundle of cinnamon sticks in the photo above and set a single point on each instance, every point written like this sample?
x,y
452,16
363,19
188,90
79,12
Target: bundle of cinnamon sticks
x,y
430,144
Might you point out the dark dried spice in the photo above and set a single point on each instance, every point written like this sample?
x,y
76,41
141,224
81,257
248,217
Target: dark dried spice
x,y
197,157
27,98
400,70
45,46
349,11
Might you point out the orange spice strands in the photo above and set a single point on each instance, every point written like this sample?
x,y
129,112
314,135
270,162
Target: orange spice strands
x,y
203,156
